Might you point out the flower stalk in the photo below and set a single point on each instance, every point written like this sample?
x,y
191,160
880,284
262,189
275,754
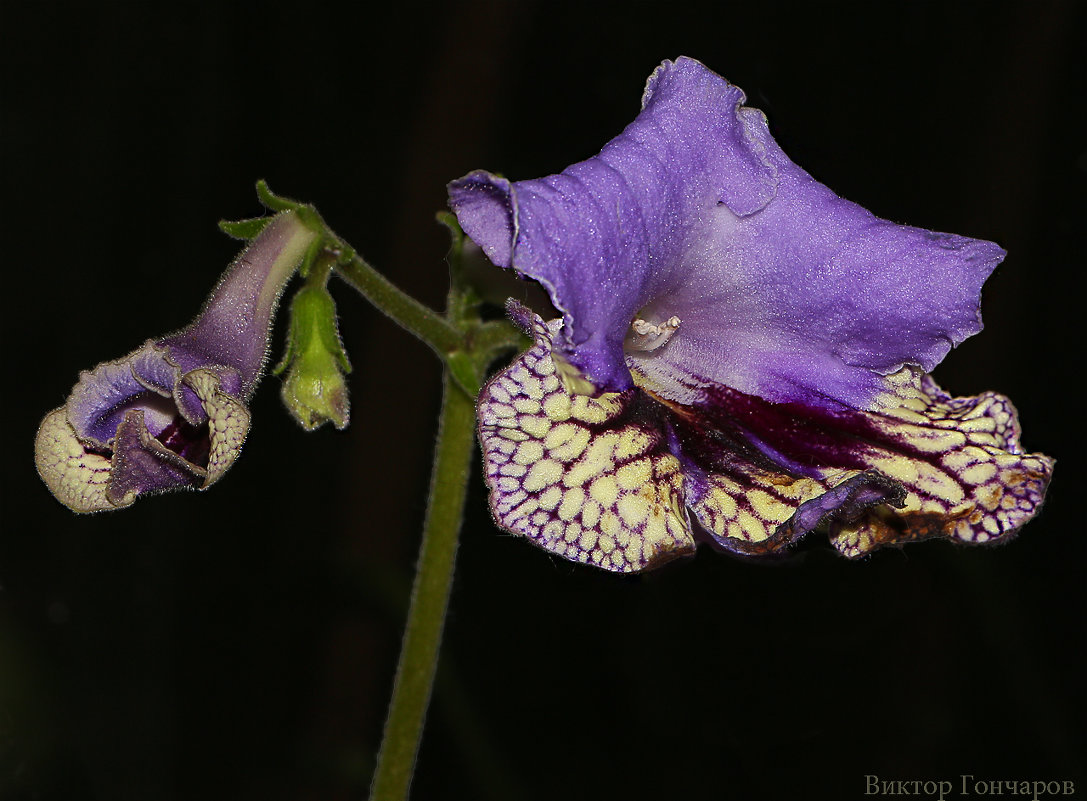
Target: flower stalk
x,y
430,596
466,345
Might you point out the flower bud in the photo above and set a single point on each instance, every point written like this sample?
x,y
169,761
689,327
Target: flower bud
x,y
315,391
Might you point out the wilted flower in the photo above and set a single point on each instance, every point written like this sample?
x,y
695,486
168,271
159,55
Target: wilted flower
x,y
173,413
736,340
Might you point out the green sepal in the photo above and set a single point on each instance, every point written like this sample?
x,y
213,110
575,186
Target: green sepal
x,y
449,220
463,302
312,253
244,229
288,357
312,324
272,201
306,213
465,372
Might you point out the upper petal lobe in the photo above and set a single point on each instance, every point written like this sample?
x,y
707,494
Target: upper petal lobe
x,y
784,290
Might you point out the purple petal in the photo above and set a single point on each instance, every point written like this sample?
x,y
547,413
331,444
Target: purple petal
x,y
141,464
104,395
233,328
844,502
755,512
782,289
159,366
151,368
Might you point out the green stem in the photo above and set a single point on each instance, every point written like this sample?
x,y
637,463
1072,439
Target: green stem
x,y
424,322
429,598
466,346
433,328
497,337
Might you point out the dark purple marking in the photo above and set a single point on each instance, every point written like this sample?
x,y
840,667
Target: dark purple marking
x,y
783,437
792,438
193,443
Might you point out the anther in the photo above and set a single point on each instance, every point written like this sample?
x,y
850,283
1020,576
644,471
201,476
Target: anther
x,y
650,336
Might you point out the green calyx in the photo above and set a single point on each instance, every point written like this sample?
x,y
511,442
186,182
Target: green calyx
x,y
314,390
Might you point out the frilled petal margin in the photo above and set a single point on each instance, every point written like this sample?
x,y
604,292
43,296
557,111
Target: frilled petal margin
x,y
608,481
120,436
781,288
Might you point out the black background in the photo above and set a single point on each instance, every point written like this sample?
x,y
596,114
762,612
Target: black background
x,y
240,643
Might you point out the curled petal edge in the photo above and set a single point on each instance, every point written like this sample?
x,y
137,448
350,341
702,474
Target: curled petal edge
x,y
84,476
606,481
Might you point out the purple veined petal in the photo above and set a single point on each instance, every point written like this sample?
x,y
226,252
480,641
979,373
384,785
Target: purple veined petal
x,y
967,476
602,480
923,465
781,288
589,479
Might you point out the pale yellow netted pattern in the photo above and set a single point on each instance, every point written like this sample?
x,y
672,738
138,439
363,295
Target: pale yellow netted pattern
x,y
755,508
961,462
919,464
586,478
228,422
77,477
606,480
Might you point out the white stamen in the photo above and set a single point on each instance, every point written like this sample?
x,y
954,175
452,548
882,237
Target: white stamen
x,y
650,336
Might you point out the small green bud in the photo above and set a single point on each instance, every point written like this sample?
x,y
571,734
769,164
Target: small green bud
x,y
314,390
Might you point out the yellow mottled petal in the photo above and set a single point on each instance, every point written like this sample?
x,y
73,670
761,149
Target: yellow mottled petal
x,y
592,490
77,478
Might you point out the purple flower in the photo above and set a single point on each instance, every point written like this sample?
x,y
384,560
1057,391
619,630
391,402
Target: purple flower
x,y
173,413
735,340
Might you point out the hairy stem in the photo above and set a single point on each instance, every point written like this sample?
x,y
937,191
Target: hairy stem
x,y
430,597
430,326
